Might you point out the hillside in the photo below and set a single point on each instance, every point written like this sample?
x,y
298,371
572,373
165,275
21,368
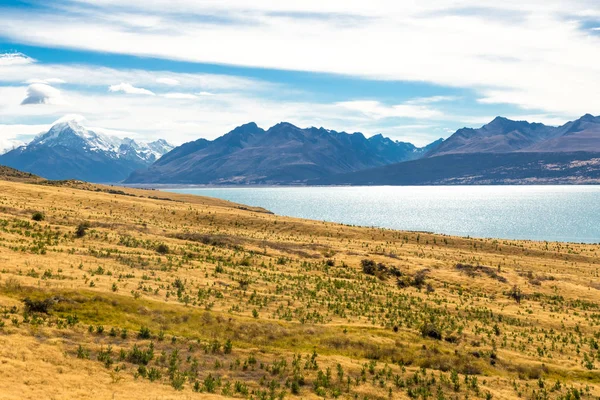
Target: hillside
x,y
282,154
71,151
142,294
14,175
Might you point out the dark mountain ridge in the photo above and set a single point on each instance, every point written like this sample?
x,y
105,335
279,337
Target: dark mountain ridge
x,y
503,135
501,152
282,154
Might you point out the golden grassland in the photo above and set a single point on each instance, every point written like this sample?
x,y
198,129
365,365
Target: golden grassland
x,y
123,293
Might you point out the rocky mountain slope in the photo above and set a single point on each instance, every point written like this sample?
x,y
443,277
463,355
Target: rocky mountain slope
x,y
503,135
501,152
282,154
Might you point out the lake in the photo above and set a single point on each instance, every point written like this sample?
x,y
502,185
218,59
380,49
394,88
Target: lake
x,y
552,213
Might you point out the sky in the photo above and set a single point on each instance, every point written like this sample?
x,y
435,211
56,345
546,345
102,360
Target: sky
x,y
183,69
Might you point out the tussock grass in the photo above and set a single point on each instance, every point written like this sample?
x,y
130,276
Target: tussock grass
x,y
165,295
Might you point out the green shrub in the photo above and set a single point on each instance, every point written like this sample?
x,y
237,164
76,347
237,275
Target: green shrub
x,y
38,216
139,356
153,374
144,333
228,347
210,384
162,249
83,353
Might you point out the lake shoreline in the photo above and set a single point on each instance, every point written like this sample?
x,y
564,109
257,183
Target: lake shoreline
x,y
567,214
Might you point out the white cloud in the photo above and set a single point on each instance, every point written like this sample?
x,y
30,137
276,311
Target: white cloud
x,y
7,59
180,96
130,89
532,54
182,121
102,76
541,118
49,81
7,145
41,93
376,110
168,81
432,99
13,136
512,45
71,117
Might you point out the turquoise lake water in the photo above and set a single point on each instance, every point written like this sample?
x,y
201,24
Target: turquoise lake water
x,y
552,213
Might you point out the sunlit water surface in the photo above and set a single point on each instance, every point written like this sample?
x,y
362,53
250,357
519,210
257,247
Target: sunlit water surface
x,y
553,213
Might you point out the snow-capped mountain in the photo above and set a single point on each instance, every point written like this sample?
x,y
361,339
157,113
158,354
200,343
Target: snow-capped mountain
x,y
71,151
72,134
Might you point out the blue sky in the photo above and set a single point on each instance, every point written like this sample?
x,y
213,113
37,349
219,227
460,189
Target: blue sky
x,y
183,69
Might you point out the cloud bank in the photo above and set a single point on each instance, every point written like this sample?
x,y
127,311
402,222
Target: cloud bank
x,y
130,89
41,93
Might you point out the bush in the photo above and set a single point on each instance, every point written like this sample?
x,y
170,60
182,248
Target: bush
x,y
177,380
228,347
139,356
295,388
81,229
368,266
144,333
39,306
419,278
244,284
430,330
246,262
210,384
162,249
153,374
516,294
83,353
37,216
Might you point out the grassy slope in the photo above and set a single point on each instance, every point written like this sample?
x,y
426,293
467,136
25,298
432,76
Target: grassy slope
x,y
14,175
278,288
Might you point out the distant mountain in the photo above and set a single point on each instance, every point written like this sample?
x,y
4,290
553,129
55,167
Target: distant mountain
x,y
501,152
70,151
282,154
503,135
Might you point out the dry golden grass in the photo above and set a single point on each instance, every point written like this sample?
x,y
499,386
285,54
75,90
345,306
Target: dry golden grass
x,y
200,272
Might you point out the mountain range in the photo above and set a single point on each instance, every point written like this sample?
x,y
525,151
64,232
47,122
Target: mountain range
x,y
283,154
503,135
71,151
501,152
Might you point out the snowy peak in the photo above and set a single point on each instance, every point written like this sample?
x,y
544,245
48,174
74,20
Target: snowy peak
x,y
70,150
73,135
160,147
